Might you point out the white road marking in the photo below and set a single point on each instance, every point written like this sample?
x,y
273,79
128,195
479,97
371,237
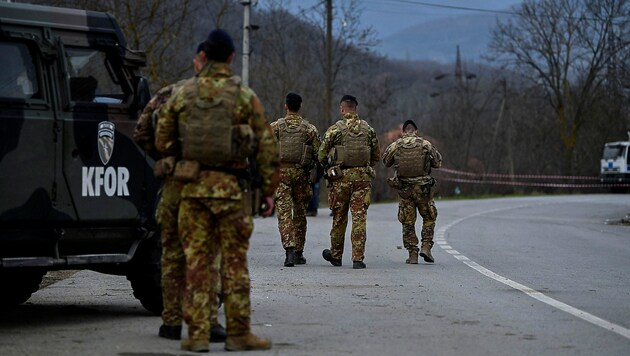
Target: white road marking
x,y
595,320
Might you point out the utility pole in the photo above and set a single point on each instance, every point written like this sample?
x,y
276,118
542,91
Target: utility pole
x,y
458,70
329,19
246,28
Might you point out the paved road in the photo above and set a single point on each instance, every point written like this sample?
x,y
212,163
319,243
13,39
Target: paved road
x,y
515,276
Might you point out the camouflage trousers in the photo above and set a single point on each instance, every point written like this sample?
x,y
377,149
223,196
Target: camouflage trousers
x,y
356,197
173,259
209,228
413,198
291,200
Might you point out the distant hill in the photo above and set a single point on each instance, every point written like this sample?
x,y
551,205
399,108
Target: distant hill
x,y
436,40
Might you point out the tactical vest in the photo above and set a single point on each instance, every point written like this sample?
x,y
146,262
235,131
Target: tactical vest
x,y
354,150
412,159
293,143
209,134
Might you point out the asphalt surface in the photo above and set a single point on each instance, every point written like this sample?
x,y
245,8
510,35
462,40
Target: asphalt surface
x,y
513,276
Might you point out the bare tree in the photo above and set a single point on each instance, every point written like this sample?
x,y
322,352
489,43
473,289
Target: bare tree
x,y
282,61
289,54
350,38
168,31
565,47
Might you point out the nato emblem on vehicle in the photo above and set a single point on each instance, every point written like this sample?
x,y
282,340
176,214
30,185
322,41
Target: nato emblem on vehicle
x,y
105,140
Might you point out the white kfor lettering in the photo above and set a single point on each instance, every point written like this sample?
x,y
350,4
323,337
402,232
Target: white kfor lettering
x,y
98,180
114,181
110,181
123,178
87,189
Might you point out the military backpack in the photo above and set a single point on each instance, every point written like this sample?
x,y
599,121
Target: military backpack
x,y
294,147
355,150
209,134
412,159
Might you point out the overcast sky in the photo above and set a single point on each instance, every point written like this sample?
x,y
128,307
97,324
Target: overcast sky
x,y
390,16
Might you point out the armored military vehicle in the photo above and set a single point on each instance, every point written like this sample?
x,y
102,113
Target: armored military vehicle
x,y
75,191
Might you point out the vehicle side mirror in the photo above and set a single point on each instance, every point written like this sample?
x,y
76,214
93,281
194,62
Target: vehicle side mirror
x,y
143,94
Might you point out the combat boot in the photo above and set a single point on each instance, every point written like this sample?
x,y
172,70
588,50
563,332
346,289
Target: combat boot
x,y
425,251
358,265
328,257
289,261
413,256
172,332
195,345
299,258
246,342
217,333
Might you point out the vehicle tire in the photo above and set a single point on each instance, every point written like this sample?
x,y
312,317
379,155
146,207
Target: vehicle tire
x,y
18,285
145,275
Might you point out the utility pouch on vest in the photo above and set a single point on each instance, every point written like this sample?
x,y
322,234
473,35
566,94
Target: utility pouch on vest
x,y
405,192
164,167
334,173
394,182
427,188
307,156
187,171
339,153
356,156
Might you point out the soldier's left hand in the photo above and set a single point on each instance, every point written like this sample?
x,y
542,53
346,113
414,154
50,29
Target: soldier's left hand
x,y
269,203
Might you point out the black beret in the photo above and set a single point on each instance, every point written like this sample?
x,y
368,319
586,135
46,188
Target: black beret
x,y
293,98
219,45
349,98
409,122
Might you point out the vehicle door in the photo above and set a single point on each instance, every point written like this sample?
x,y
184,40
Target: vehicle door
x,y
27,129
104,169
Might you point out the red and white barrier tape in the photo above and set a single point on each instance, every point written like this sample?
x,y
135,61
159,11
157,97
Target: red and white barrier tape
x,y
517,176
535,184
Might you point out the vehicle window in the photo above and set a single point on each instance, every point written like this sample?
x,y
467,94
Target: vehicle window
x,y
612,152
90,79
18,73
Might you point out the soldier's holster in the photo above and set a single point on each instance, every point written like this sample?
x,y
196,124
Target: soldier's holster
x,y
164,167
187,171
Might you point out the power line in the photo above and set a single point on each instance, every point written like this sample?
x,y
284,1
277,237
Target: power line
x,y
452,7
503,12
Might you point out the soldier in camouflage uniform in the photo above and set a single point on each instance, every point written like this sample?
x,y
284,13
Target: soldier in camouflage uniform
x,y
212,218
349,151
299,143
173,262
413,158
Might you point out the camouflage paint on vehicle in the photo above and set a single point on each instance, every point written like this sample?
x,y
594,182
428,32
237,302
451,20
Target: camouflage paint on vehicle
x,y
77,192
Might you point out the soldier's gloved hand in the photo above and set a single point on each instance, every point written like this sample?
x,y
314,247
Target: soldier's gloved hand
x,y
268,204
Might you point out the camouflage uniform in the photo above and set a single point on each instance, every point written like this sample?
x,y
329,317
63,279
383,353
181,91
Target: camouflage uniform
x,y
173,262
294,191
415,193
212,218
351,192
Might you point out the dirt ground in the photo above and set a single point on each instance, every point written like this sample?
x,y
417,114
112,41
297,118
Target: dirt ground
x,y
55,276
